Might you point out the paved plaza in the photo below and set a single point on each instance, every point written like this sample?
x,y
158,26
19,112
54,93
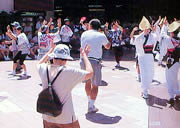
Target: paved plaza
x,y
119,99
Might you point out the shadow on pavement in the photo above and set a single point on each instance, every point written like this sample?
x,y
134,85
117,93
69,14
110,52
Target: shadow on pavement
x,y
156,82
18,77
176,105
102,119
121,68
156,102
3,98
23,77
104,83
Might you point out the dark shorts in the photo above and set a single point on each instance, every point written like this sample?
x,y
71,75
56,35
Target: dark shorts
x,y
118,51
19,56
97,77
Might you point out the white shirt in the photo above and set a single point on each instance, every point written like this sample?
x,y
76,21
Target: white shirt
x,y
57,37
23,43
95,40
63,87
139,41
66,33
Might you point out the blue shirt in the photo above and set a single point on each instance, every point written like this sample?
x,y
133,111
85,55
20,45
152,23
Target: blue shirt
x,y
115,37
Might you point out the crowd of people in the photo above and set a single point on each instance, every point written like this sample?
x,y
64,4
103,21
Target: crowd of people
x,y
54,40
61,34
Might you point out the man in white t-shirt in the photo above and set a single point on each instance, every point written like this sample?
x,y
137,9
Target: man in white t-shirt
x,y
96,41
63,85
66,33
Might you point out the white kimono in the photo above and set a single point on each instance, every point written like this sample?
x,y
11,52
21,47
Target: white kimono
x,y
173,71
146,60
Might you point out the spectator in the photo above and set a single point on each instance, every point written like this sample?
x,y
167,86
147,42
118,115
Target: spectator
x,y
66,33
23,48
4,50
39,23
2,37
63,85
28,31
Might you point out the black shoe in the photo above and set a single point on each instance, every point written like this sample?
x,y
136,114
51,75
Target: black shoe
x,y
177,97
171,101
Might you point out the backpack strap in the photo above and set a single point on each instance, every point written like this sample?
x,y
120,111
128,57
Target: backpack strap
x,y
51,83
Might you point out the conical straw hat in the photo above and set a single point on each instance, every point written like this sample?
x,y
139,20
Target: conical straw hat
x,y
174,26
144,24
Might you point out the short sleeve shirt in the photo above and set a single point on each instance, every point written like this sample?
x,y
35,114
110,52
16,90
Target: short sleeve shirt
x,y
23,43
95,40
63,87
115,37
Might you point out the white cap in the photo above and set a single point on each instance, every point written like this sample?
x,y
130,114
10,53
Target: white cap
x,y
61,51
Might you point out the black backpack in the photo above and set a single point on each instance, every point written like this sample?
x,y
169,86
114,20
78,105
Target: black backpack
x,y
48,102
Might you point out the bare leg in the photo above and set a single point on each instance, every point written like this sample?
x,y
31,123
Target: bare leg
x,y
94,92
88,88
14,66
24,67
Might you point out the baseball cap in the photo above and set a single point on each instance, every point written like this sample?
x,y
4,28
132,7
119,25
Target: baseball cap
x,y
15,24
65,20
61,51
83,19
19,27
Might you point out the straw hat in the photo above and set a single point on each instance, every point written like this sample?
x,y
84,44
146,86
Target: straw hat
x,y
144,24
174,26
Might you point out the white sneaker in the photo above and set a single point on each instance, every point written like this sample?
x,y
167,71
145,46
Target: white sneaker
x,y
117,66
13,73
93,109
7,58
24,73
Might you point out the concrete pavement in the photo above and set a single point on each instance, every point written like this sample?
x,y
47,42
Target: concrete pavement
x,y
119,101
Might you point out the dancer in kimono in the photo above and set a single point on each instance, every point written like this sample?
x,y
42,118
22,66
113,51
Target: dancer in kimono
x,y
163,34
144,45
173,61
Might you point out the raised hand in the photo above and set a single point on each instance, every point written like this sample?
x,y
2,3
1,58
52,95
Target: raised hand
x,y
8,28
51,20
107,24
59,20
135,28
44,22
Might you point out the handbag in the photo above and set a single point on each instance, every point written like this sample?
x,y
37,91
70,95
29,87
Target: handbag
x,y
48,102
